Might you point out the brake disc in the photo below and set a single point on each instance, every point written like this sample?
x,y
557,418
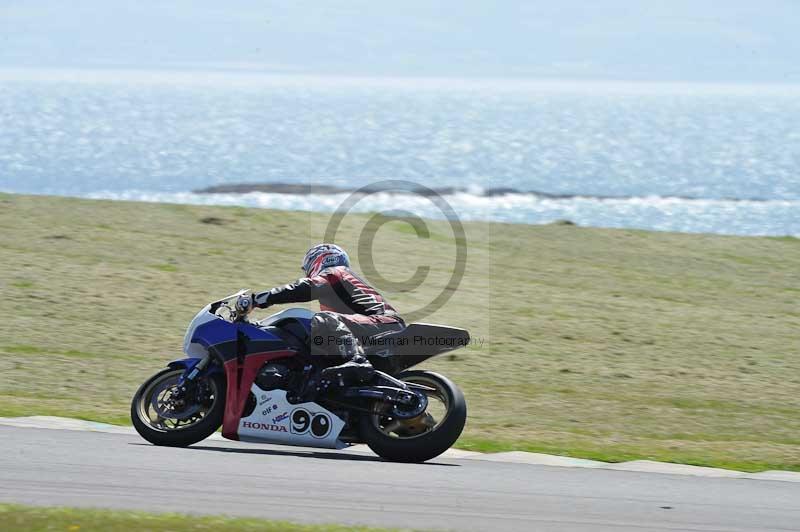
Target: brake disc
x,y
169,408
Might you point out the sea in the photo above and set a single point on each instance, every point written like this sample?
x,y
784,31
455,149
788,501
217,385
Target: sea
x,y
698,158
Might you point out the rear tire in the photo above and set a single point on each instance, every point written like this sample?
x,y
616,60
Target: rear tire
x,y
179,436
427,445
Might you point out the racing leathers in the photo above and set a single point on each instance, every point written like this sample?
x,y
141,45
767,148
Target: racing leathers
x,y
351,311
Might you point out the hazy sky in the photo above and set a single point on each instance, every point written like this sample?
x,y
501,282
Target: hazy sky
x,y
722,40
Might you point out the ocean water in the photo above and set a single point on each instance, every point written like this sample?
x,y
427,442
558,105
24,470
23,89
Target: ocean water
x,y
720,159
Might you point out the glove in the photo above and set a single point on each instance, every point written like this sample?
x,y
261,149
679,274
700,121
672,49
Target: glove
x,y
261,300
244,304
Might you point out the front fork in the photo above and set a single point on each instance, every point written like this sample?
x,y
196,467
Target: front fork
x,y
190,375
187,383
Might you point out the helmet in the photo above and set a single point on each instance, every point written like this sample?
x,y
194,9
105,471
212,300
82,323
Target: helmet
x,y
324,256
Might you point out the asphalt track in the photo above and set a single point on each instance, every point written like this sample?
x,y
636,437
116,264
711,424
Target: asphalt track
x,y
90,469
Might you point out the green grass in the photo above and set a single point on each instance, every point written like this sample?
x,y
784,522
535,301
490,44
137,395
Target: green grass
x,y
597,343
165,267
20,518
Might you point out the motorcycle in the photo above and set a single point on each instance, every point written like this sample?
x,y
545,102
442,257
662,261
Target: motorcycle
x,y
251,378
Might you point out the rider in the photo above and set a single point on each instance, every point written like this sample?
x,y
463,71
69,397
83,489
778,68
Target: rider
x,y
351,311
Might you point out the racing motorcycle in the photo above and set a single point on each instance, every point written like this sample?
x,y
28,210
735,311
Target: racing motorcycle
x,y
251,379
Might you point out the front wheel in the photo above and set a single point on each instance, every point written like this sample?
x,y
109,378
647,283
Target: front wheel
x,y
163,415
425,436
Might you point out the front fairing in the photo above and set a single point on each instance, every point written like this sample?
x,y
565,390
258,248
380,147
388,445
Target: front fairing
x,y
225,340
195,345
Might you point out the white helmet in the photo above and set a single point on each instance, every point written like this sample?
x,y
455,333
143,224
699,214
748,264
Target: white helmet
x,y
324,256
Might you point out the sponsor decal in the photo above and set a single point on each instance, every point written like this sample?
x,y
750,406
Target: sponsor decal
x,y
265,399
280,417
270,408
330,260
263,426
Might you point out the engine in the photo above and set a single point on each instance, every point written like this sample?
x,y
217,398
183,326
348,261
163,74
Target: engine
x,y
272,376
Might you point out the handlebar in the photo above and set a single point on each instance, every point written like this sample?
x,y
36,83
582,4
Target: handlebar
x,y
225,303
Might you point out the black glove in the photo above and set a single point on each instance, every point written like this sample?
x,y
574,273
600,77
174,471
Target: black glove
x,y
261,300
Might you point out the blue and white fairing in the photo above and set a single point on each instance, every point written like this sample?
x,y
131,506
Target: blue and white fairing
x,y
191,346
273,419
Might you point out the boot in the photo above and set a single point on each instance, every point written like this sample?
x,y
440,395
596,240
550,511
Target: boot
x,y
357,370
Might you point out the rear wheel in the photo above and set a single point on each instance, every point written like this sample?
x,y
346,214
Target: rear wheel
x,y
425,436
163,417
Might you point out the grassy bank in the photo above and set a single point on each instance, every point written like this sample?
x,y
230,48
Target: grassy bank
x,y
608,344
18,518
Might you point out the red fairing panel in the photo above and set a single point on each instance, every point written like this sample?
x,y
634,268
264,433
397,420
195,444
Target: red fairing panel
x,y
240,378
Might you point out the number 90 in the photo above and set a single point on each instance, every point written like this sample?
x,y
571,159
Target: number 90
x,y
302,421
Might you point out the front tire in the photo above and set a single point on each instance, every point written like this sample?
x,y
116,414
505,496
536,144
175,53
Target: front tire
x,y
176,428
419,440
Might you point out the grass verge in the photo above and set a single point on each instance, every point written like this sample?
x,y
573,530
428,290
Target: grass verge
x,y
597,343
14,517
